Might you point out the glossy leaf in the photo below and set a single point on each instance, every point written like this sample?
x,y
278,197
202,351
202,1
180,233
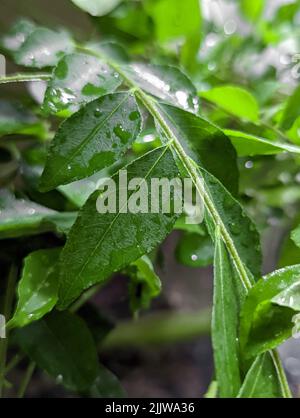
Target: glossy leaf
x,y
78,79
20,217
43,48
225,324
144,284
38,287
205,143
249,145
61,344
175,18
289,297
235,100
17,35
194,250
239,226
100,244
106,385
14,119
97,7
91,139
259,381
295,235
265,325
291,110
165,82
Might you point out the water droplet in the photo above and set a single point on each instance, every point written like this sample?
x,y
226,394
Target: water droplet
x,y
69,167
249,164
194,257
97,113
31,211
234,228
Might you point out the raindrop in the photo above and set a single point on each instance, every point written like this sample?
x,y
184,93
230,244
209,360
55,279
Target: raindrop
x,y
249,164
97,113
69,167
230,27
59,379
194,257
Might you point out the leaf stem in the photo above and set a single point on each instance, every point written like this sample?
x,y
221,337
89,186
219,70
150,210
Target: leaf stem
x,y
19,78
193,172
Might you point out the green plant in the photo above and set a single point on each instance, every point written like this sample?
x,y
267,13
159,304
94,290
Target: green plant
x,y
112,104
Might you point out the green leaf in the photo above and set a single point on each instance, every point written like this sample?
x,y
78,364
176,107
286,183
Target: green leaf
x,y
205,143
248,145
20,217
241,231
38,287
91,139
295,236
252,9
97,7
144,284
291,110
100,244
175,18
235,100
78,79
61,344
194,250
79,191
289,297
165,82
225,324
14,119
259,381
43,48
17,35
265,325
106,385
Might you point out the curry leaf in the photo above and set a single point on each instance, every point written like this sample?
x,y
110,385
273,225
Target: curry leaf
x,y
235,100
144,284
38,287
204,142
79,79
100,244
265,325
165,82
175,18
247,144
259,381
225,324
195,250
61,344
97,7
21,217
91,139
291,110
43,48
